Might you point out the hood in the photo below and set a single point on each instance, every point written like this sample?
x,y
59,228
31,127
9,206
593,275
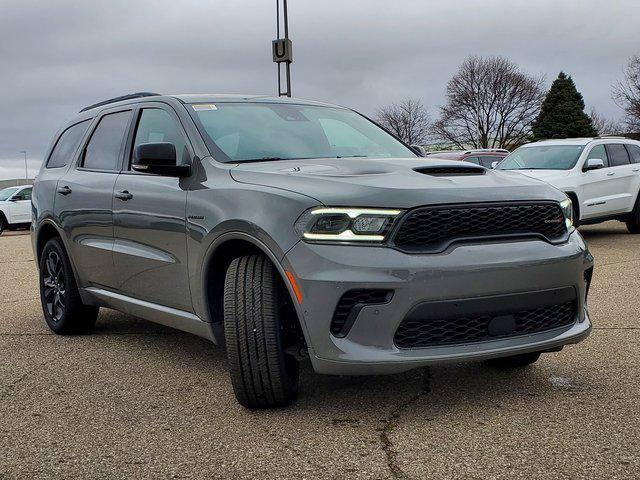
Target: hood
x,y
546,175
393,182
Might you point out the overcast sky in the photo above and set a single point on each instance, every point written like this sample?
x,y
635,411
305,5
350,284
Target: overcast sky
x,y
57,56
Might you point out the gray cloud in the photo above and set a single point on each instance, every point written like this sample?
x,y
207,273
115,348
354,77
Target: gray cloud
x,y
59,56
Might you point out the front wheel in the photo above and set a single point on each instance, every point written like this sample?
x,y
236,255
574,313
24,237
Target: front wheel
x,y
262,374
633,222
515,361
62,306
3,224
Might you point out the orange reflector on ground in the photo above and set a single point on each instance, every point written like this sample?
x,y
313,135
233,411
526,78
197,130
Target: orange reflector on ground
x,y
294,285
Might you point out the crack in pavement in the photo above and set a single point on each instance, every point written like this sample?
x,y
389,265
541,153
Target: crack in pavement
x,y
616,328
617,263
20,300
390,423
7,390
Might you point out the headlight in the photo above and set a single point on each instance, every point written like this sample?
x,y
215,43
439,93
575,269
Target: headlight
x,y
346,224
567,209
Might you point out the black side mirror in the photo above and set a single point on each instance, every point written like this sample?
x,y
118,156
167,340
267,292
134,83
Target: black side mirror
x,y
159,158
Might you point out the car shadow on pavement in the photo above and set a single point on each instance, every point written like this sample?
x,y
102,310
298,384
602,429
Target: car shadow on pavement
x,y
466,386
602,231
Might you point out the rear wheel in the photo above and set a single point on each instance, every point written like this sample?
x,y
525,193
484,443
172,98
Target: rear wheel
x,y
262,374
62,306
515,361
633,222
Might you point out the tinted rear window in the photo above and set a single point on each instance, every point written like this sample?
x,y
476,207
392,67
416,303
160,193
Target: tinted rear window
x,y
103,150
617,155
67,145
634,152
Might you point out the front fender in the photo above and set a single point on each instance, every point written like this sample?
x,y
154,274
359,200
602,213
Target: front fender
x,y
201,305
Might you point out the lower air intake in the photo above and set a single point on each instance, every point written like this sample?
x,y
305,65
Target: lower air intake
x,y
430,332
350,305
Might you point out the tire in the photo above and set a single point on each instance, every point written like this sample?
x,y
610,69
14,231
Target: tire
x,y
576,214
62,306
262,375
633,222
515,361
3,224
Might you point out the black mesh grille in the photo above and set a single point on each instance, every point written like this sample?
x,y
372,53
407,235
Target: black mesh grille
x,y
433,229
350,304
419,333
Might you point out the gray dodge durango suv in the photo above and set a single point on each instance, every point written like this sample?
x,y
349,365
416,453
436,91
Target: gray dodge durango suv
x,y
286,229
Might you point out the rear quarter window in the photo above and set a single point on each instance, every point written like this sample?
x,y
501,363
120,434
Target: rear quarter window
x,y
634,153
67,145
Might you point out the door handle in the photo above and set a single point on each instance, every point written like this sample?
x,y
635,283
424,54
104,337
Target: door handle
x,y
64,190
636,169
610,174
124,196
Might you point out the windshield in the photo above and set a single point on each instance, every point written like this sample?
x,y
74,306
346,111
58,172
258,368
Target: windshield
x,y
6,193
547,157
240,132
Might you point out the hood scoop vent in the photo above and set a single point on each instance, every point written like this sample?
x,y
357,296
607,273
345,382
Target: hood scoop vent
x,y
451,171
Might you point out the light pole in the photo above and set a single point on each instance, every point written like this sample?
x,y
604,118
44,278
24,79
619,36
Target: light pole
x,y
282,48
26,172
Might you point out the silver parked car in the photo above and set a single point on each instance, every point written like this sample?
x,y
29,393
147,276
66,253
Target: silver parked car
x,y
289,229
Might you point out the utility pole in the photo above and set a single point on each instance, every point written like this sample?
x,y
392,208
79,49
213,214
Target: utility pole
x,y
282,49
26,172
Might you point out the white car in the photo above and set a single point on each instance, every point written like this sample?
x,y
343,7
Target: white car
x,y
15,207
600,175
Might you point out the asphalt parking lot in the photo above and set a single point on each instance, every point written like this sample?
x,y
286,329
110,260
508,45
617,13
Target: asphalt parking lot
x,y
137,400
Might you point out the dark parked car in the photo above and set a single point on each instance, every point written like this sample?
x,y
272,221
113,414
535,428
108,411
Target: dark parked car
x,y
485,157
289,230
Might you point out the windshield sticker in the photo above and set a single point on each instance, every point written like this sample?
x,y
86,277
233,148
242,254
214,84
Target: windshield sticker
x,y
204,106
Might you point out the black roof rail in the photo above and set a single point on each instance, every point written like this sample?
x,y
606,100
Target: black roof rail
x,y
120,99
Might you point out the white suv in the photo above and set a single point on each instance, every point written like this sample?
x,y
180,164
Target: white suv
x,y
601,175
15,207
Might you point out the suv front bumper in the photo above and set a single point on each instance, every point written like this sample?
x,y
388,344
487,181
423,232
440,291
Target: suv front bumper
x,y
465,271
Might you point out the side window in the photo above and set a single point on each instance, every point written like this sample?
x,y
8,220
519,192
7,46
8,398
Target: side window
x,y
67,144
103,150
618,155
599,152
157,125
487,160
475,160
24,194
634,153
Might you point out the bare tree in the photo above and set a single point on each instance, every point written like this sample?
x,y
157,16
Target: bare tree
x,y
490,104
626,93
603,125
408,120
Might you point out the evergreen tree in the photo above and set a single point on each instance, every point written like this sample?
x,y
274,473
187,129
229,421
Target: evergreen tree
x,y
562,114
